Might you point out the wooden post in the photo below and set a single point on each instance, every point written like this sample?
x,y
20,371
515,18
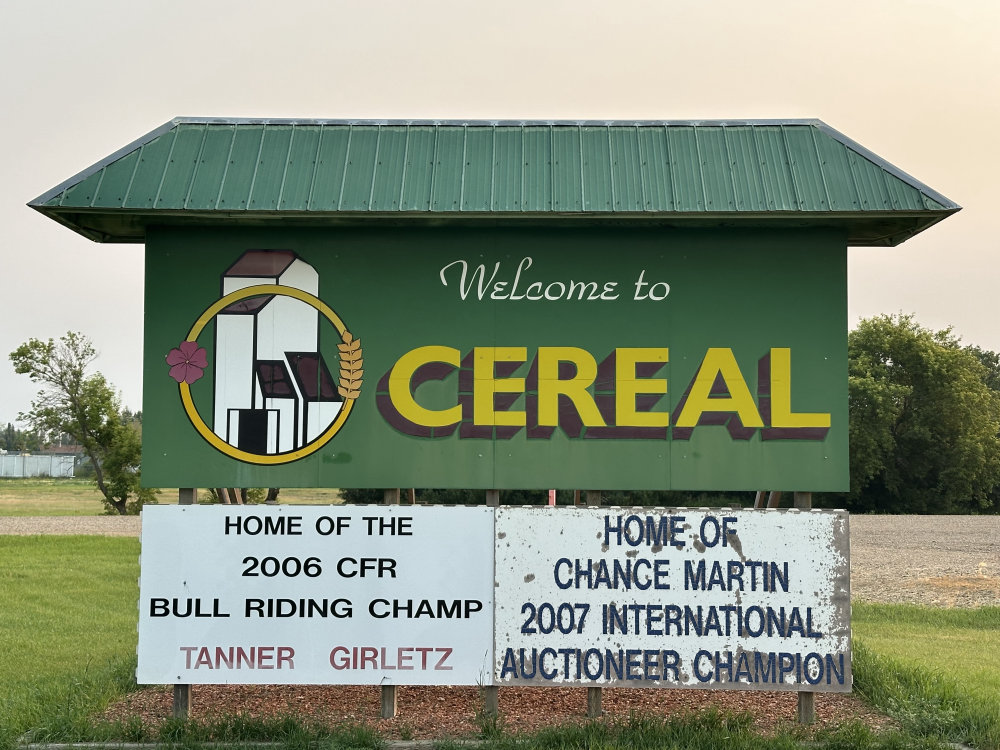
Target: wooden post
x,y
595,696
491,693
595,702
807,699
771,499
807,707
389,697
388,702
182,693
182,701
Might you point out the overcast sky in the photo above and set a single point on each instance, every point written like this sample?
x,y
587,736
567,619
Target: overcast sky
x,y
915,81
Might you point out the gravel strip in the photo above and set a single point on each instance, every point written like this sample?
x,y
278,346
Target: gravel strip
x,y
93,525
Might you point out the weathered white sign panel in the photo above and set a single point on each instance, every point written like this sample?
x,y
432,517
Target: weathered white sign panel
x,y
316,595
682,597
632,597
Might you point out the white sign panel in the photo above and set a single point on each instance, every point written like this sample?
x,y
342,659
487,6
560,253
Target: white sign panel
x,y
316,595
683,597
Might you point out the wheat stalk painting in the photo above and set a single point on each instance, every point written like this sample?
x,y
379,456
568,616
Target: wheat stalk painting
x,y
351,365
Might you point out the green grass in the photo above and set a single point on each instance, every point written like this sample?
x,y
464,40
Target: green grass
x,y
49,497
68,618
79,497
308,496
688,731
705,731
243,731
941,640
935,670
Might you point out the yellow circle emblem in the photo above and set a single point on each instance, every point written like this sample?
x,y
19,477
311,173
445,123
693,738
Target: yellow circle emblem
x,y
349,387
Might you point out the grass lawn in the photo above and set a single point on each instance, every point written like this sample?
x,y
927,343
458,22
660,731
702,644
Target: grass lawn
x,y
49,497
79,497
939,639
68,611
309,496
935,669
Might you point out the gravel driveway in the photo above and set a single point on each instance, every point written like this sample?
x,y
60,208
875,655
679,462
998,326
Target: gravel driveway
x,y
949,561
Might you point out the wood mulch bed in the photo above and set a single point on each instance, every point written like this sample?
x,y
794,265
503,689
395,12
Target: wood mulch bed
x,y
451,712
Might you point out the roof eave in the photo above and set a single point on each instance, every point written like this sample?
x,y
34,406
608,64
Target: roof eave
x,y
873,229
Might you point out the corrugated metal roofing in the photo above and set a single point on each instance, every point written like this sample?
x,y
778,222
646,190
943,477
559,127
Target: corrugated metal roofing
x,y
795,172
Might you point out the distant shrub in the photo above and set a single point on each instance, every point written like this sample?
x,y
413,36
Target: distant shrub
x,y
248,496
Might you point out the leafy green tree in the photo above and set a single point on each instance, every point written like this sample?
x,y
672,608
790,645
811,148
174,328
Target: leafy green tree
x,y
30,440
923,421
15,440
989,360
243,496
86,408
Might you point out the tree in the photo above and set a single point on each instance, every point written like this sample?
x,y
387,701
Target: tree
x,y
86,408
14,440
989,360
923,421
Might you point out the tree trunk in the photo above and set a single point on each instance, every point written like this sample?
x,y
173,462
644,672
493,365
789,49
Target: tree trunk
x,y
118,505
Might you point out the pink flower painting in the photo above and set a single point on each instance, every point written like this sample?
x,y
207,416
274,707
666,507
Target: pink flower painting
x,y
187,362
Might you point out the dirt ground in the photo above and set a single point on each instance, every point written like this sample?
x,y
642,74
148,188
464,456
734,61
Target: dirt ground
x,y
946,561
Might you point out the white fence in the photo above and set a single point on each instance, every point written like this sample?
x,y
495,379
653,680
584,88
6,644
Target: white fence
x,y
50,465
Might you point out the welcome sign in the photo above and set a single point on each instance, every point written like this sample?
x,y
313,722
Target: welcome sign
x,y
496,358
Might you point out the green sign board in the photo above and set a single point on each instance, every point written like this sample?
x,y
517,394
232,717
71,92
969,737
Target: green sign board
x,y
600,358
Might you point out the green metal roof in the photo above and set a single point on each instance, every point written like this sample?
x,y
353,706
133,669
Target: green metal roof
x,y
673,173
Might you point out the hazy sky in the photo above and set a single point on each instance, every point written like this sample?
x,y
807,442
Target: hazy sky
x,y
915,81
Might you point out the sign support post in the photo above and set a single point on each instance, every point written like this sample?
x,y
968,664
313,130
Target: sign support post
x,y
491,693
807,700
182,701
595,696
182,693
389,693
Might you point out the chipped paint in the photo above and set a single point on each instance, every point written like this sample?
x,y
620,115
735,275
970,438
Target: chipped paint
x,y
738,599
